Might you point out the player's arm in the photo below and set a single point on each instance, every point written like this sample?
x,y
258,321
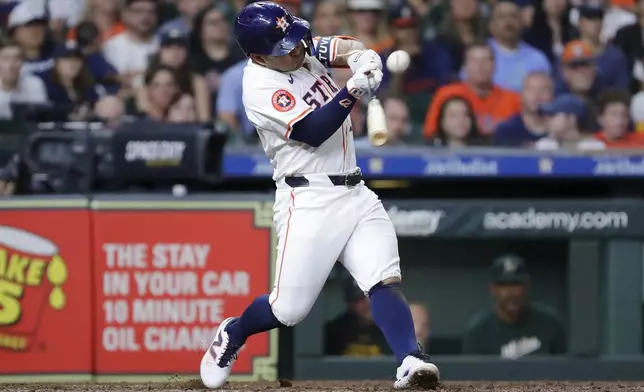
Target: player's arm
x,y
319,125
344,52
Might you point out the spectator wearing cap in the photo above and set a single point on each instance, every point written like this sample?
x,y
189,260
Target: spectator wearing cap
x,y
631,42
105,15
491,103
525,128
16,86
188,10
462,26
566,118
430,65
211,51
367,23
615,122
611,62
515,326
173,53
514,59
579,73
69,84
28,26
353,333
130,51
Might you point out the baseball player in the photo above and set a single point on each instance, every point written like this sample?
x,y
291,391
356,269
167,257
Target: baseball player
x,y
323,211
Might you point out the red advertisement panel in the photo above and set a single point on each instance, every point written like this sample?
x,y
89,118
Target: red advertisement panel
x,y
45,292
165,280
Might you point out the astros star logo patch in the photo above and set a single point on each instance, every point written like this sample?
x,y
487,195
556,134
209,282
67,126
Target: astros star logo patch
x,y
283,101
282,23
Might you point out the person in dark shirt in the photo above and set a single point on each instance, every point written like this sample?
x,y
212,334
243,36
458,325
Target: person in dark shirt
x,y
69,84
354,333
523,129
88,39
611,62
514,327
211,51
630,40
462,25
550,29
429,69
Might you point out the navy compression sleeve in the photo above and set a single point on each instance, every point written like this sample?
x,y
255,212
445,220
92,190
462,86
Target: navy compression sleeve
x,y
319,125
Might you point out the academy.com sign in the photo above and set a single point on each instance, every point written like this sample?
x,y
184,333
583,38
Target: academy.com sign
x,y
415,222
532,219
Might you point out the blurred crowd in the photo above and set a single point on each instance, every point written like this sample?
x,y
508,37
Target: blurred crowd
x,y
544,74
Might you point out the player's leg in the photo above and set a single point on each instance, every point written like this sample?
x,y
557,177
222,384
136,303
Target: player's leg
x,y
309,243
371,257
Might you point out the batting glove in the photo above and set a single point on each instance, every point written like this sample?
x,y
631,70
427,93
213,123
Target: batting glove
x,y
366,80
362,57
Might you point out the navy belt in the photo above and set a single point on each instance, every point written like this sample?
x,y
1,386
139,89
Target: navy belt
x,y
348,180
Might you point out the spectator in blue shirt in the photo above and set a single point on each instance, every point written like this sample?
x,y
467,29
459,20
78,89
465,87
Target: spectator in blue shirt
x,y
69,84
566,119
230,109
525,128
514,58
611,62
430,65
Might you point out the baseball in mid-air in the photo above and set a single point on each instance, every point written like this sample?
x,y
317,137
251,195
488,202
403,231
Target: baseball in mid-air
x,y
398,61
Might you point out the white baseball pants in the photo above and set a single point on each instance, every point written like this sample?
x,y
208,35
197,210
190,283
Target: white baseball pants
x,y
319,225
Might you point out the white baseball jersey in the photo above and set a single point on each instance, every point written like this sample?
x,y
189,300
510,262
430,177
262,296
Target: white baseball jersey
x,y
274,101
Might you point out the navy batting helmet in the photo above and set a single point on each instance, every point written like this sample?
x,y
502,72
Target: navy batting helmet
x,y
267,28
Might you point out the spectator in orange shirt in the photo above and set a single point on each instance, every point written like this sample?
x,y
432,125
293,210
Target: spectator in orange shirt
x,y
491,103
105,15
614,120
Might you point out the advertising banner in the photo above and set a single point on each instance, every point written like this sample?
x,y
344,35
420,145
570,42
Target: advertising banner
x,y
166,278
45,290
525,218
163,151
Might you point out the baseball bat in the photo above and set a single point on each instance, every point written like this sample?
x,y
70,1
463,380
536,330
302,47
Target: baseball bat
x,y
376,122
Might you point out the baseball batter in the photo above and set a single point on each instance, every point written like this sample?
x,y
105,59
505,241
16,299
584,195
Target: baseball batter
x,y
323,212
